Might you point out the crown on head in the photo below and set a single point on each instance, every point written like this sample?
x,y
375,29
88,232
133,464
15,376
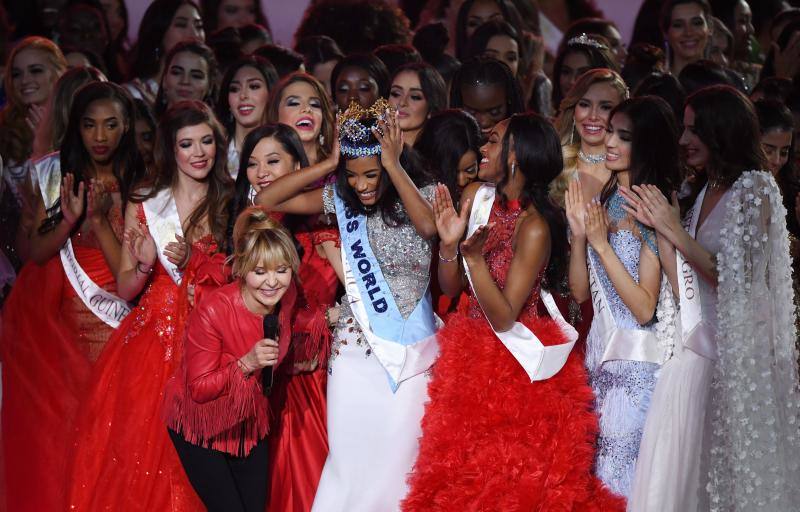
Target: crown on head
x,y
355,125
588,41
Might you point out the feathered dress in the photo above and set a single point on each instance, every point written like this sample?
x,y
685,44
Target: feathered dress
x,y
491,439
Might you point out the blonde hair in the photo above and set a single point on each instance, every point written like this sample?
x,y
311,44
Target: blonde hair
x,y
260,241
565,124
16,137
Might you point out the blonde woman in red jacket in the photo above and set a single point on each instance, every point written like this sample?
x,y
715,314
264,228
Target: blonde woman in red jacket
x,y
217,408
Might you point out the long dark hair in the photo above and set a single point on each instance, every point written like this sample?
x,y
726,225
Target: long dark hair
x,y
774,115
388,203
127,165
444,139
476,45
210,15
290,141
537,149
261,65
148,51
486,71
205,53
655,153
431,82
214,205
726,122
507,9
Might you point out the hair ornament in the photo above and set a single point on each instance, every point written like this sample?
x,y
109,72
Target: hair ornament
x,y
355,125
588,41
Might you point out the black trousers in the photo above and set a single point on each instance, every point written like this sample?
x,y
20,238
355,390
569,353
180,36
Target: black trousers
x,y
225,483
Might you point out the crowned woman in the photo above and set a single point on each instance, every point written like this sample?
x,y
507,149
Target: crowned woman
x,y
384,341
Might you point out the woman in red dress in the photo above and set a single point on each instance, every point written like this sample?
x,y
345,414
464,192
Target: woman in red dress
x,y
491,438
53,331
123,457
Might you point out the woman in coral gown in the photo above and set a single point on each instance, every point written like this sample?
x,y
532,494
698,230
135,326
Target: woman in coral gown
x,y
509,425
62,309
123,457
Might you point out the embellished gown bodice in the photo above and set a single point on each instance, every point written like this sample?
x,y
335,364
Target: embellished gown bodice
x,y
498,251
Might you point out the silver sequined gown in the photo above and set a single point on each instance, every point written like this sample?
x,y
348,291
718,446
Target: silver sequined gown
x,y
622,388
373,432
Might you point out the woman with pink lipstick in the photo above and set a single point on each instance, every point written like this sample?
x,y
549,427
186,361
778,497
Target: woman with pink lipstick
x,y
721,433
614,262
190,73
299,101
417,92
686,26
242,104
123,458
64,307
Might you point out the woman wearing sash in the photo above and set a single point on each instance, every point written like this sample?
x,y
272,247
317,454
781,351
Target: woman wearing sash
x,y
383,343
298,438
63,310
620,272
509,424
721,433
123,458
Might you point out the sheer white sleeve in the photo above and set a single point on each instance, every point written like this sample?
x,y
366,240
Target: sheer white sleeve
x,y
755,401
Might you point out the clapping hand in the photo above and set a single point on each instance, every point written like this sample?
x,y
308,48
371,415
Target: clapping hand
x,y
178,252
576,210
72,204
141,245
596,222
472,247
449,224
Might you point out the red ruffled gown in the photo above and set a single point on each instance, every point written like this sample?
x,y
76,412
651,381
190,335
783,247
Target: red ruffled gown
x,y
299,439
491,439
123,459
48,344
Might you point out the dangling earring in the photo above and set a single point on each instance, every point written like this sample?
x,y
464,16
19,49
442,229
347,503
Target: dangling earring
x,y
321,140
513,169
572,132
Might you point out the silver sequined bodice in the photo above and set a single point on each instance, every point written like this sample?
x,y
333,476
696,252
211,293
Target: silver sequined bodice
x,y
404,258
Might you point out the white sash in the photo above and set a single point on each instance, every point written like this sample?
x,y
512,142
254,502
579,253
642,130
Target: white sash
x,y
163,222
400,361
107,307
697,335
540,362
621,344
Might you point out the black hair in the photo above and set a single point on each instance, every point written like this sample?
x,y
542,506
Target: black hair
x,y
726,122
655,155
642,60
203,52
596,26
431,41
444,139
774,87
507,9
598,57
369,63
647,26
127,165
226,44
317,50
223,109
285,60
774,115
486,71
476,45
147,52
290,141
211,9
395,55
782,41
388,203
702,73
432,84
116,47
537,151
666,87
254,31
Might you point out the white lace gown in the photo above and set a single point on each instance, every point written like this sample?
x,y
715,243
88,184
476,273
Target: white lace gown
x,y
724,435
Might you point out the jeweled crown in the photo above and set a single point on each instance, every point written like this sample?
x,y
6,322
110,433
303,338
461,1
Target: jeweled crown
x,y
355,126
588,41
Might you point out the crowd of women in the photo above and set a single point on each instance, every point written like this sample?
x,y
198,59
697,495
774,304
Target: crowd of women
x,y
534,269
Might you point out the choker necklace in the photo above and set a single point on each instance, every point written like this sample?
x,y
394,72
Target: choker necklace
x,y
591,159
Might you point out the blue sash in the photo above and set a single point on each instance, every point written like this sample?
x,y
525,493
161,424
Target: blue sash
x,y
385,322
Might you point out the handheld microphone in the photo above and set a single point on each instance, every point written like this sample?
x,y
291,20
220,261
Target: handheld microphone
x,y
271,332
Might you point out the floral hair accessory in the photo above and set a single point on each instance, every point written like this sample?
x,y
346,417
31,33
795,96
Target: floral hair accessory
x,y
355,125
588,41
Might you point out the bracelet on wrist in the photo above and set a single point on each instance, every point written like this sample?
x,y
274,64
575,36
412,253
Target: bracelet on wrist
x,y
139,268
447,260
